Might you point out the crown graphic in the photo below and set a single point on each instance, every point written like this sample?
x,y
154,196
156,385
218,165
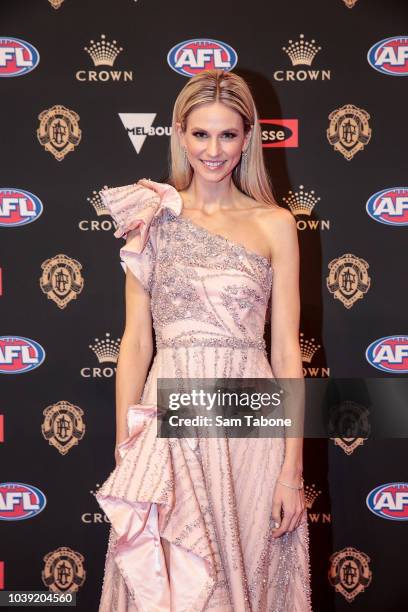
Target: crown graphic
x,y
106,349
301,52
92,492
311,494
56,3
308,348
98,204
301,202
103,52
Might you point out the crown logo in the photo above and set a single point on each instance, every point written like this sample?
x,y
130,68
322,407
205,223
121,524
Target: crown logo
x,y
301,51
311,494
56,3
308,348
106,349
98,204
350,3
301,202
103,52
92,492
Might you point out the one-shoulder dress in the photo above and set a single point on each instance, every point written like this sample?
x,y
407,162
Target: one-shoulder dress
x,y
191,523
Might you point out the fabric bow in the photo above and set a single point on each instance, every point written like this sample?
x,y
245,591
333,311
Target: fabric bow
x,y
135,206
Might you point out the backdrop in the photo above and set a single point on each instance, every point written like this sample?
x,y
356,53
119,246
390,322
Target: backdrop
x,y
87,92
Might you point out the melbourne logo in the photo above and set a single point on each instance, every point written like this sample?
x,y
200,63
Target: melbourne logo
x,y
193,56
19,501
139,126
61,279
302,53
349,130
389,206
279,132
17,57
389,354
19,354
389,501
348,279
18,207
390,56
103,53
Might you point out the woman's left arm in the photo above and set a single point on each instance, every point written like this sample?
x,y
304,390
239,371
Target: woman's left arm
x,y
286,359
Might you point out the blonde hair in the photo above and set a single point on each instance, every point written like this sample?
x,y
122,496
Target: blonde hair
x,y
250,175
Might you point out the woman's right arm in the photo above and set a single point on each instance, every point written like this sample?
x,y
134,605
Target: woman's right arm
x,y
135,354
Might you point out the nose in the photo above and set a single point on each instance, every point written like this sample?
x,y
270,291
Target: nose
x,y
213,147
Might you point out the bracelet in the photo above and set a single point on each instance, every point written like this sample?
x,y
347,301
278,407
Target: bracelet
x,y
291,486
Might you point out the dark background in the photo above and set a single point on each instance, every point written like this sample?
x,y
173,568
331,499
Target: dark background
x,y
146,30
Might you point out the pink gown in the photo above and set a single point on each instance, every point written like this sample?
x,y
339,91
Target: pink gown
x,y
191,518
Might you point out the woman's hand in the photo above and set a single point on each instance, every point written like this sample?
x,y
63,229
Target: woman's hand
x,y
118,458
291,502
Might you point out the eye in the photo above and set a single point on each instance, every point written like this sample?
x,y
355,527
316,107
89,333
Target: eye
x,y
229,135
199,134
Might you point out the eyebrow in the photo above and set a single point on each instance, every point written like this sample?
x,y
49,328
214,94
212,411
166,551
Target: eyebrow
x,y
227,130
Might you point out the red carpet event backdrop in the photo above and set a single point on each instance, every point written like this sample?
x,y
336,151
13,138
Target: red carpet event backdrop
x,y
87,91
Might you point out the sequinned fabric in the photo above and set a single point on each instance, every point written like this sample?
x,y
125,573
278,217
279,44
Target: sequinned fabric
x,y
191,518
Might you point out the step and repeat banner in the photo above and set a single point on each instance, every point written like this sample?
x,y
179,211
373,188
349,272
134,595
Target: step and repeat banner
x,y
87,91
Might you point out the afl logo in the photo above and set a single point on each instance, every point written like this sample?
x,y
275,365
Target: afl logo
x,y
18,207
390,501
19,354
389,206
192,56
389,354
20,501
17,57
390,56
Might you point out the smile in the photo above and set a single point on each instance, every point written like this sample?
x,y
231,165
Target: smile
x,y
212,164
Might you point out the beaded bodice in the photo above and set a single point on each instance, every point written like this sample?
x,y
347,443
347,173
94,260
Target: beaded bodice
x,y
205,289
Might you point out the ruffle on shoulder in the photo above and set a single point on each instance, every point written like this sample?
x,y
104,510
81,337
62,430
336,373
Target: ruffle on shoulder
x,y
135,206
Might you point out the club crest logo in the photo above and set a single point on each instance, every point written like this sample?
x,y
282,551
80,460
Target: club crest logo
x,y
59,131
63,426
349,572
349,131
348,279
64,570
61,279
349,422
56,4
348,445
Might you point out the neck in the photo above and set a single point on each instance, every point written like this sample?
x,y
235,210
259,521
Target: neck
x,y
211,197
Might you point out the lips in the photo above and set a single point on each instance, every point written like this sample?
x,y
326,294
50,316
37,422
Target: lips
x,y
212,165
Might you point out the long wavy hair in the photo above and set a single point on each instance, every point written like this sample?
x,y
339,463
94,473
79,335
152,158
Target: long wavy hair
x,y
249,175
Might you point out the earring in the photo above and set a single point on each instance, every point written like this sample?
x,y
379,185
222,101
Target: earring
x,y
244,157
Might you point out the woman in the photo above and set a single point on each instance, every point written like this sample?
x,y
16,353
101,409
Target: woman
x,y
198,526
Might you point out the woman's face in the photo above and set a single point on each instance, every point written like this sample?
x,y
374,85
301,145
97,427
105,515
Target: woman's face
x,y
214,140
